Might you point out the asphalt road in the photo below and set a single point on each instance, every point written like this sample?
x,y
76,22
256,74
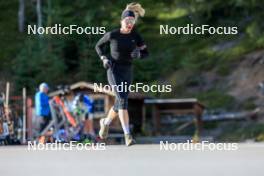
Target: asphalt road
x,y
135,160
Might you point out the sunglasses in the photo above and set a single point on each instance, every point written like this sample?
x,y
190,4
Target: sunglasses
x,y
130,21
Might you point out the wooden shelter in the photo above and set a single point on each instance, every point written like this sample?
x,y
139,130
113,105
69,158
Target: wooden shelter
x,y
174,107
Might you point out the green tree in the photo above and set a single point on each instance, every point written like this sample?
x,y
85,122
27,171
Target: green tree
x,y
37,63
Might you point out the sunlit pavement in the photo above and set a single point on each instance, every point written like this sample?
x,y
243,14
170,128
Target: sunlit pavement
x,y
135,160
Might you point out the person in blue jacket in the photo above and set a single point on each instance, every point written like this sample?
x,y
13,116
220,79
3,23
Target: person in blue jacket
x,y
42,109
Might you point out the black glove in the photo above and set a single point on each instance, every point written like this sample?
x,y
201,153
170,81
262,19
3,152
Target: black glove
x,y
106,62
135,54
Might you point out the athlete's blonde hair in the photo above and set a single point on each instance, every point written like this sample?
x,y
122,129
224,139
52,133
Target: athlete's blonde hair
x,y
138,10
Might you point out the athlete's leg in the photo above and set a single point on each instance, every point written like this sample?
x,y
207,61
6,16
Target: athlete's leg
x,y
124,75
124,120
112,114
105,122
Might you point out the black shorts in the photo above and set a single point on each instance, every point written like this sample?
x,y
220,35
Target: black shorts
x,y
120,74
43,122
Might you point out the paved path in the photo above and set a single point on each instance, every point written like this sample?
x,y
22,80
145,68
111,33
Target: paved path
x,y
145,160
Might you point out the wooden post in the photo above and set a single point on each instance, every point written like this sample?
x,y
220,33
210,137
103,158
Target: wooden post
x,y
198,111
24,115
7,102
153,119
156,119
143,129
29,119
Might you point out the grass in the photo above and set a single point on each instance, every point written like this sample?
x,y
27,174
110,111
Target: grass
x,y
214,99
241,131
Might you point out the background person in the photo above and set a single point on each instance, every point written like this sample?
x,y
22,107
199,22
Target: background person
x,y
82,108
42,110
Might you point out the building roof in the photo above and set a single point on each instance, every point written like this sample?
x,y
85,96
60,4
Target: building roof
x,y
174,101
90,86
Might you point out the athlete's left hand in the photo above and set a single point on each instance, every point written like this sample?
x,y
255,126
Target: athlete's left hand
x,y
135,54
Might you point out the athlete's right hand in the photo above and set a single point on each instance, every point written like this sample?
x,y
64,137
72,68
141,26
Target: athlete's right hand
x,y
106,62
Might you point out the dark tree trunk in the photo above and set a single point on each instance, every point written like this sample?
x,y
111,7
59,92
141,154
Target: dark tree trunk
x,y
21,16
